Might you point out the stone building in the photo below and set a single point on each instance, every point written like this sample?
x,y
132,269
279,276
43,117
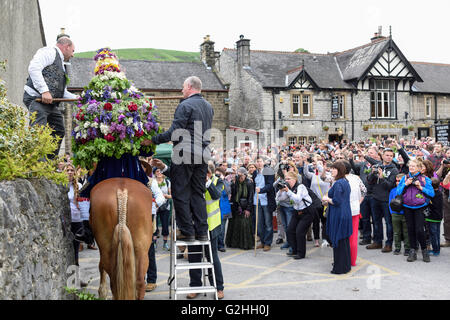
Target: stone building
x,y
22,34
368,91
162,79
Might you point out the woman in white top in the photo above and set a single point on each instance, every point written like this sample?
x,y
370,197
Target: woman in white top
x,y
320,184
303,215
158,201
76,226
357,192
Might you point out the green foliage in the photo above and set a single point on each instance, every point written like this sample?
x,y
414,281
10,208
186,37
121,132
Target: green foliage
x,y
149,54
301,50
81,294
24,148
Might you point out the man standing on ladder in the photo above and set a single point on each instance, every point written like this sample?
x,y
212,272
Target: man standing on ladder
x,y
192,119
213,193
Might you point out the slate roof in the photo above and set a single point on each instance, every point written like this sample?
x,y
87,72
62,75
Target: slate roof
x,y
270,68
353,63
436,77
156,75
335,70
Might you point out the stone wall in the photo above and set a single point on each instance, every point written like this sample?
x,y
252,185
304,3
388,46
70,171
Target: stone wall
x,y
35,248
21,36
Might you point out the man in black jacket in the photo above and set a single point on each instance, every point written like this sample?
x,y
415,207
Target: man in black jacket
x,y
193,118
382,179
264,177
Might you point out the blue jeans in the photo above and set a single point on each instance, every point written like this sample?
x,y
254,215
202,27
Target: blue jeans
x,y
151,271
265,226
380,210
366,213
435,230
286,215
220,242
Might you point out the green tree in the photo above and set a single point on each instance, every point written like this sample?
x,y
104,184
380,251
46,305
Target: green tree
x,y
301,50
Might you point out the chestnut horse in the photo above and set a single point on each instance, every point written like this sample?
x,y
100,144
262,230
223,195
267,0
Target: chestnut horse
x,y
121,220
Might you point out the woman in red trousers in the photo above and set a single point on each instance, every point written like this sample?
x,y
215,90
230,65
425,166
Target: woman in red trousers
x,y
357,193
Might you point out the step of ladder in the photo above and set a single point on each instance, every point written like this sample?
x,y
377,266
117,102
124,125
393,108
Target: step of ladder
x,y
180,243
186,290
192,265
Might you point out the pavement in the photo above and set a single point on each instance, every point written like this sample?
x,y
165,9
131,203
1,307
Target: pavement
x,y
274,276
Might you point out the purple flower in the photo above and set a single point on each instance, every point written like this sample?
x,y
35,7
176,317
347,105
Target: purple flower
x,y
120,118
92,108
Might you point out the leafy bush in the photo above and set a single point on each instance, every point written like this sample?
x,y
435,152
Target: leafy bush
x,y
24,148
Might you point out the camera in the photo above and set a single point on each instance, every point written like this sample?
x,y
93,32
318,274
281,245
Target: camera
x,y
284,166
446,161
281,184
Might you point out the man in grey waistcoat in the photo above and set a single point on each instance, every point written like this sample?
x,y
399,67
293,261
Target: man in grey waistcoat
x,y
48,80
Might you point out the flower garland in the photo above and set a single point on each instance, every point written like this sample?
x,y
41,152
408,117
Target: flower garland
x,y
112,118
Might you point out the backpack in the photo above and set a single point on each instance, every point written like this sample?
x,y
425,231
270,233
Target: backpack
x,y
316,202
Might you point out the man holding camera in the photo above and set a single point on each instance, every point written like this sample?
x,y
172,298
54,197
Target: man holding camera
x,y
264,200
382,179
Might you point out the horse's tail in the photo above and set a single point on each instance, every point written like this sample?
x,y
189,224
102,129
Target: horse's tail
x,y
125,266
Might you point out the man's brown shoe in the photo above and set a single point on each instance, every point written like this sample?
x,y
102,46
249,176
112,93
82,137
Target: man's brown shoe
x,y
220,294
150,287
374,246
387,249
260,246
192,295
266,248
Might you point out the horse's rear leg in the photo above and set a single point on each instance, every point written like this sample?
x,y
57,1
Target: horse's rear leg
x,y
103,288
141,271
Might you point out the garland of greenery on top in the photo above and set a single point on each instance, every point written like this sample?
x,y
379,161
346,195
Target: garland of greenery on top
x,y
113,117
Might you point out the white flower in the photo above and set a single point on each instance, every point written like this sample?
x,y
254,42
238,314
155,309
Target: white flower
x,y
94,125
114,95
104,128
77,128
84,135
87,124
129,121
136,127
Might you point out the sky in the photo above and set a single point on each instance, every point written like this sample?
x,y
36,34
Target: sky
x,y
419,28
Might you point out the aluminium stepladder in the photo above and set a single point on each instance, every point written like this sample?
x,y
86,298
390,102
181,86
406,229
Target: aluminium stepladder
x,y
204,265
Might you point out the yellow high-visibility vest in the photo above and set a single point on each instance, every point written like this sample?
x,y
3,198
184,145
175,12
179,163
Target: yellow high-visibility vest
x,y
213,208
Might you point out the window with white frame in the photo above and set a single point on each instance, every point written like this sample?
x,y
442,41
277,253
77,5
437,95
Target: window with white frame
x,y
296,105
292,140
382,99
306,105
301,105
302,140
428,106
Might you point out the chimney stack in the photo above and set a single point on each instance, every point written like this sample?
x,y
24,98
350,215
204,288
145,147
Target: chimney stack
x,y
243,52
378,35
207,53
62,34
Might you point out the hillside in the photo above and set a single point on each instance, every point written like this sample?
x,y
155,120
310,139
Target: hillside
x,y
148,54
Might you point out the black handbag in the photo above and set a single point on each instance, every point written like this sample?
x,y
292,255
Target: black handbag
x,y
397,203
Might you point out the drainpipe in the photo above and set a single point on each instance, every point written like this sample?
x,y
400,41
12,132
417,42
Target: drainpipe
x,y
353,119
273,111
435,110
